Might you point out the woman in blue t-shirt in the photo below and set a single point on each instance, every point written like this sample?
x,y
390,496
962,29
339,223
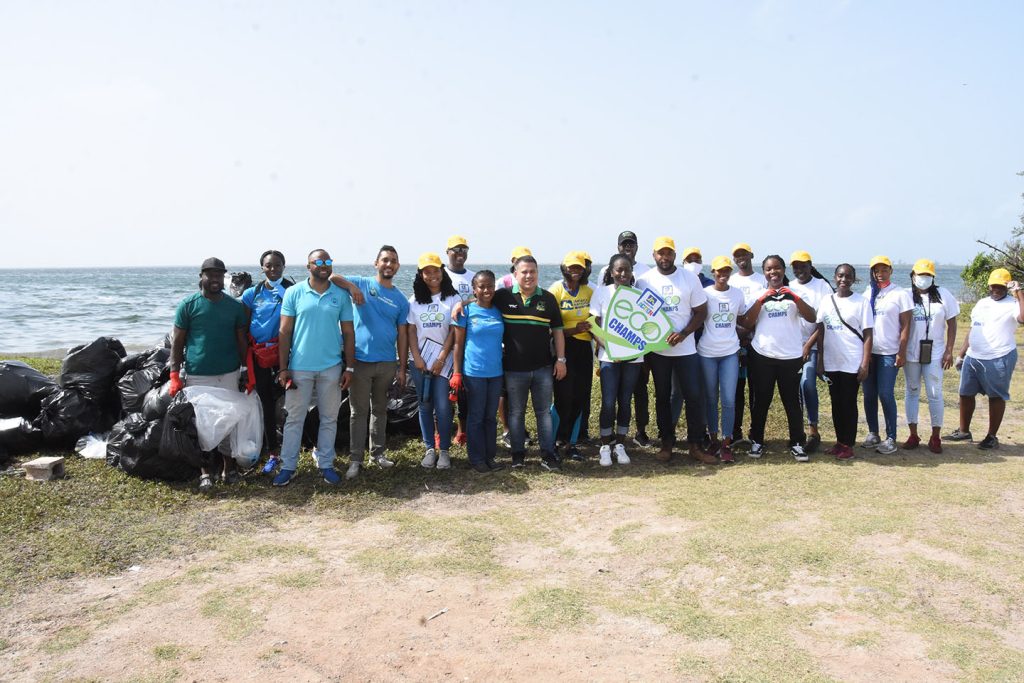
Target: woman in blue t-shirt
x,y
478,334
263,302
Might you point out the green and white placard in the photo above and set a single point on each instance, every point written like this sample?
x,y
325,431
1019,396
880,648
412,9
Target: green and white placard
x,y
634,324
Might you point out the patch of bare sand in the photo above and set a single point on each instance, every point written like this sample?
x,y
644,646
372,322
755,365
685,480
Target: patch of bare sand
x,y
895,545
832,638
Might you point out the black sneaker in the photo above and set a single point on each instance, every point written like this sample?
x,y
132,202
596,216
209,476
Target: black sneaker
x,y
642,440
813,442
518,460
549,462
482,468
989,443
574,454
494,466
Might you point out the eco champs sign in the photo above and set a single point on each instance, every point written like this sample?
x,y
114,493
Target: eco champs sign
x,y
635,324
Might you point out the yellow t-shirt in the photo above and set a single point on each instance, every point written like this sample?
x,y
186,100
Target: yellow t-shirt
x,y
574,309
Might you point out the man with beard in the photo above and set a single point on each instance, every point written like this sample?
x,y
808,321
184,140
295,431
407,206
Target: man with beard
x,y
316,319
381,339
751,284
210,332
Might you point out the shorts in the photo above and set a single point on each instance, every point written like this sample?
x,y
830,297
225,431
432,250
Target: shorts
x,y
988,377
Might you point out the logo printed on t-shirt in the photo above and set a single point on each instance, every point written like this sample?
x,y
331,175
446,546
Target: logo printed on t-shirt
x,y
671,300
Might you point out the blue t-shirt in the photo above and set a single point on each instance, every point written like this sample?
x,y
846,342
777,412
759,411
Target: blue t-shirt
x,y
316,335
484,331
377,320
266,312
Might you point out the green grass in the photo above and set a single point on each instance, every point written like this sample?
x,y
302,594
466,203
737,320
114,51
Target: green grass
x,y
553,608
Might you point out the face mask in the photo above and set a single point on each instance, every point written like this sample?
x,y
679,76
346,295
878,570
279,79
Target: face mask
x,y
923,281
694,267
275,282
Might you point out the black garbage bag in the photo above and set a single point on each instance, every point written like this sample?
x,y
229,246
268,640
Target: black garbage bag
x,y
180,440
239,283
134,386
91,368
130,363
17,436
403,409
66,415
134,446
156,402
311,427
22,389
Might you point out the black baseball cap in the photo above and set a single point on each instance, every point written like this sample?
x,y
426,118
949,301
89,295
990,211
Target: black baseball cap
x,y
213,263
626,236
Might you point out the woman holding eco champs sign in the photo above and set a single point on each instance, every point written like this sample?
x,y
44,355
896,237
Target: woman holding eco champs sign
x,y
777,356
718,348
618,378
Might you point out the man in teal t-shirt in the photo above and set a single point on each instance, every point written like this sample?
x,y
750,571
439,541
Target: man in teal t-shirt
x,y
381,333
210,331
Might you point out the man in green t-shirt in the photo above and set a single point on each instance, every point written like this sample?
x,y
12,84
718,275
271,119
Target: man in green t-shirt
x,y
210,332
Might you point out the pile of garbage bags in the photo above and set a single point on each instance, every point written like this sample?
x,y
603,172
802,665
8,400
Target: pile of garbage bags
x,y
107,403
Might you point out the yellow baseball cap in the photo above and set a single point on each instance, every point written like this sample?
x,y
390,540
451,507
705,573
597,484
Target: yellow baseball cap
x,y
584,255
720,262
457,241
1000,276
742,245
800,256
428,258
520,252
879,260
924,267
664,243
691,250
573,258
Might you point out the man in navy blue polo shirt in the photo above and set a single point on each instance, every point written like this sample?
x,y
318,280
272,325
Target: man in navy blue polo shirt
x,y
316,319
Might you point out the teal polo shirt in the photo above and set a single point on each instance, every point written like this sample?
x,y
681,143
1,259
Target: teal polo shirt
x,y
211,343
316,335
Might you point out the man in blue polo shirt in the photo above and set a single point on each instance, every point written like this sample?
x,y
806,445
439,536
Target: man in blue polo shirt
x,y
381,333
316,319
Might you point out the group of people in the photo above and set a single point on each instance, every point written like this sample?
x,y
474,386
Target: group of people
x,y
490,344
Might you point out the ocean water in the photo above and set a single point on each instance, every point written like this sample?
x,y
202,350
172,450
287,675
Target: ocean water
x,y
45,311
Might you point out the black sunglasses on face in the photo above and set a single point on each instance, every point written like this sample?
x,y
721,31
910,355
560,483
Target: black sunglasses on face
x,y
321,262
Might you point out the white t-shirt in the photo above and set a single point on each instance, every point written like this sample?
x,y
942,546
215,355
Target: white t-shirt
x,y
682,292
993,326
719,338
777,332
890,303
432,320
463,283
814,292
599,301
751,285
638,270
843,350
934,316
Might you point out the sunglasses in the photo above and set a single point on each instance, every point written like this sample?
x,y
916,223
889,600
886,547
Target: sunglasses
x,y
321,262
460,250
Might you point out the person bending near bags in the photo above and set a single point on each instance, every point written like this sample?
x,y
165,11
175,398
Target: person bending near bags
x,y
989,355
316,323
210,332
845,323
776,356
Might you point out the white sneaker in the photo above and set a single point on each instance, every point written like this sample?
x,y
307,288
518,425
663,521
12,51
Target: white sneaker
x,y
886,447
870,441
444,461
620,454
353,470
798,453
756,450
430,459
606,455
382,461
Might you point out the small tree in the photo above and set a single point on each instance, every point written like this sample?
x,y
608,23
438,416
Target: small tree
x,y
1010,256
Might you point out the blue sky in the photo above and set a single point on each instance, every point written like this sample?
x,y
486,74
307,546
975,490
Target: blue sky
x,y
141,133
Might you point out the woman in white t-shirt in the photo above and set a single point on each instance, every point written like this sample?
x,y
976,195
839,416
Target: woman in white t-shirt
x,y
776,356
430,345
618,378
845,325
891,306
718,349
929,350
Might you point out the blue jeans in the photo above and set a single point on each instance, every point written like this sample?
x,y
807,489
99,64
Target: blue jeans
x,y
617,383
685,370
325,384
432,392
482,394
880,384
809,388
536,384
720,377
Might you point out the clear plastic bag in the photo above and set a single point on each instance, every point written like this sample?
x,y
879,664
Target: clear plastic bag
x,y
227,414
92,446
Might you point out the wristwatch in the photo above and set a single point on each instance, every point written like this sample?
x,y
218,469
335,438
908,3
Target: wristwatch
x,y
560,360
350,369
